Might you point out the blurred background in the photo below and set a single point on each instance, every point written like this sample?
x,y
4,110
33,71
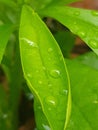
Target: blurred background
x,y
78,47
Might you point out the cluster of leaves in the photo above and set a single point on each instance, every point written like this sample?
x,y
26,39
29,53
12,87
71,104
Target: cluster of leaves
x,y
65,98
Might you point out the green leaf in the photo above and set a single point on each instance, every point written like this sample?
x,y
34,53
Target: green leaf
x,y
83,23
41,4
44,69
3,109
89,59
84,88
5,32
9,3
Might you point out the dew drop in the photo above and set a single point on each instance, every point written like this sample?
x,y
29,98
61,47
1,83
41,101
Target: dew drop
x,y
30,96
51,101
55,73
95,101
5,116
82,34
94,13
37,71
44,68
46,127
50,85
40,82
29,75
31,43
77,13
49,59
50,50
49,108
93,44
64,92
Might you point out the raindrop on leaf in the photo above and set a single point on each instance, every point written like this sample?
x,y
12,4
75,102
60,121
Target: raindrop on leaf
x,y
29,75
77,13
50,50
50,100
82,34
93,44
94,13
31,43
64,92
40,82
55,73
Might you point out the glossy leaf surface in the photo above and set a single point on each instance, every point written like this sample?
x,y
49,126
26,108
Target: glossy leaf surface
x,y
5,32
84,88
44,69
83,23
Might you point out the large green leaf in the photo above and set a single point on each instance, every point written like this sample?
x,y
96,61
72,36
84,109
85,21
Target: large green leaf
x,y
83,23
84,88
44,69
5,32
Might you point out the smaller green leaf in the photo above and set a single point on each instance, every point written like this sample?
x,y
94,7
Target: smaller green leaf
x,y
83,23
5,32
84,88
41,4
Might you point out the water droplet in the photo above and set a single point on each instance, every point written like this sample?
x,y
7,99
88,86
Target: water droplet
x,y
30,96
31,43
64,92
37,71
77,13
29,75
49,108
40,82
49,59
51,101
93,44
50,85
50,50
46,127
94,13
95,101
55,73
82,34
44,68
5,116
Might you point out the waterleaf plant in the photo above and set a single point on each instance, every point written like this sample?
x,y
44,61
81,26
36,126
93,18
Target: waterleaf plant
x,y
65,96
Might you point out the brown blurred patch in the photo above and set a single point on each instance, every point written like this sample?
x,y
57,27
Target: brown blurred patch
x,y
86,4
